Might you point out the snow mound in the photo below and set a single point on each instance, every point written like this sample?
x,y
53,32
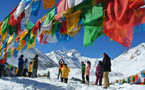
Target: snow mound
x,y
130,62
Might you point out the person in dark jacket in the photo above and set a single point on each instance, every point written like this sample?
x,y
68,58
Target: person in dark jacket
x,y
106,69
20,65
83,72
99,74
35,66
2,62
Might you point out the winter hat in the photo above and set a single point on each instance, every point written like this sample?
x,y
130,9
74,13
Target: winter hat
x,y
61,57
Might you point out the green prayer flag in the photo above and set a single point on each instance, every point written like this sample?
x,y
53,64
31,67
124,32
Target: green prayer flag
x,y
10,66
5,26
32,38
84,5
9,54
92,20
50,16
12,29
29,25
55,27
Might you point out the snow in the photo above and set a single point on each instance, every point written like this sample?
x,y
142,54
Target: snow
x,y
72,57
44,61
129,63
42,83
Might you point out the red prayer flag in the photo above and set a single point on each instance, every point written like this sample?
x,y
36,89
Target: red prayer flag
x,y
120,7
136,4
63,28
42,37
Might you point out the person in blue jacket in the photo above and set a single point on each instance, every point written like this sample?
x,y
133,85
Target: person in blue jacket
x,y
20,65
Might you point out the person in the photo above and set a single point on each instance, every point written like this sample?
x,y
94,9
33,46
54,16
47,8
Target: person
x,y
106,69
87,72
65,71
20,65
83,72
59,71
30,70
99,73
26,64
35,66
2,62
61,61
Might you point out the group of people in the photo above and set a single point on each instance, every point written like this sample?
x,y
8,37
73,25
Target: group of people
x,y
102,71
25,66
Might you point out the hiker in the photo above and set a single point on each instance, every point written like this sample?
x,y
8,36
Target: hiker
x,y
26,64
35,66
99,74
106,69
87,72
65,71
59,71
20,65
30,70
61,61
83,72
2,62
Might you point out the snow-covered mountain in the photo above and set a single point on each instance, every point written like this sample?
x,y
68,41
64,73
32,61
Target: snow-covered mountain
x,y
44,61
72,57
131,61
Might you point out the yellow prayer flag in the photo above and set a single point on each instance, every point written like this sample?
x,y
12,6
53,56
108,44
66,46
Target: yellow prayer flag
x,y
7,49
10,39
4,36
21,46
23,36
68,12
12,50
48,3
75,30
72,20
0,47
31,45
43,18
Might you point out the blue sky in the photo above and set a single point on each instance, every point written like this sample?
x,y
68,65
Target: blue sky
x,y
101,45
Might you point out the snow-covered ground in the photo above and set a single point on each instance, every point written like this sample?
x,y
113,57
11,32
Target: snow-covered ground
x,y
25,83
130,62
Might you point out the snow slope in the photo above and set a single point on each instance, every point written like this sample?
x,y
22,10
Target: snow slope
x,y
130,62
72,57
25,83
44,61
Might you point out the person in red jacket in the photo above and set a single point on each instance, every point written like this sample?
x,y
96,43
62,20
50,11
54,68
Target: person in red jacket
x,y
2,62
59,71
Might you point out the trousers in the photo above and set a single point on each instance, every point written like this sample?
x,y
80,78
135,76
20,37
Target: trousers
x,y
106,79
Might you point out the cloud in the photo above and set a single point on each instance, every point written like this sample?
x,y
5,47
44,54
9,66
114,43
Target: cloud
x,y
63,48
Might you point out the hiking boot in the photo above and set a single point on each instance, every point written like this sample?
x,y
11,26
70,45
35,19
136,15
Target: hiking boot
x,y
104,87
83,82
87,83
